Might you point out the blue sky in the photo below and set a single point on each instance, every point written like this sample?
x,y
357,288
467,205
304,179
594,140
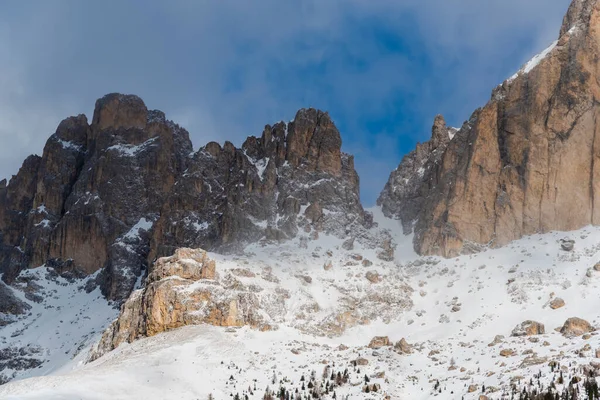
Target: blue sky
x,y
225,68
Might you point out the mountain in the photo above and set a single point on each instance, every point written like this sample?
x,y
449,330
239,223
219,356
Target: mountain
x,y
256,273
281,312
127,188
525,163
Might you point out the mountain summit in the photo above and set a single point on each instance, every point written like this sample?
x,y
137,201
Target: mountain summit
x,y
115,194
527,162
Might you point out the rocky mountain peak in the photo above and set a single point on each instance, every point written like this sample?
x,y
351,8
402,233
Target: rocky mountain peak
x,y
114,195
410,184
578,14
527,162
313,136
74,130
310,139
440,135
119,111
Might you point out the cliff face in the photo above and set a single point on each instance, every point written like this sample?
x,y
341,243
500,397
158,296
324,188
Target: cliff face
x,y
293,179
412,182
127,188
527,162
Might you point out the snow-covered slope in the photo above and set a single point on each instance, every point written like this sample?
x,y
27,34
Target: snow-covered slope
x,y
64,320
449,310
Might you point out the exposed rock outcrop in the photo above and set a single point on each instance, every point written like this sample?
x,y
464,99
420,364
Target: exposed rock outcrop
x,y
181,290
293,179
411,183
116,194
526,162
10,305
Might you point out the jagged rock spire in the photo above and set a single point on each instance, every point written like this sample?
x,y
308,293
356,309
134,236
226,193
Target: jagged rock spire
x,y
579,13
114,194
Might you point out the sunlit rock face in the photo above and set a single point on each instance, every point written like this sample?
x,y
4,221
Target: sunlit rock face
x,y
527,162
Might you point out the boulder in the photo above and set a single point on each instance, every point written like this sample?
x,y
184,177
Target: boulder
x,y
576,327
348,244
403,347
507,352
387,252
557,303
529,328
567,244
373,277
497,340
379,341
361,361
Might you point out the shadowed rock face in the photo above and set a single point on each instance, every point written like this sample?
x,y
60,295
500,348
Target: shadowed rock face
x,y
127,188
292,180
527,162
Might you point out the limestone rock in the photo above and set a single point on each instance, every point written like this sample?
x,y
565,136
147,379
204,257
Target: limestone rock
x,y
527,162
403,347
529,328
533,360
361,361
191,264
180,291
379,341
497,340
388,250
576,327
410,184
557,303
127,188
373,277
348,244
507,352
567,245
10,304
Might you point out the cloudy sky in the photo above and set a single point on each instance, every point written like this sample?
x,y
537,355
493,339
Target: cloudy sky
x,y
225,68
